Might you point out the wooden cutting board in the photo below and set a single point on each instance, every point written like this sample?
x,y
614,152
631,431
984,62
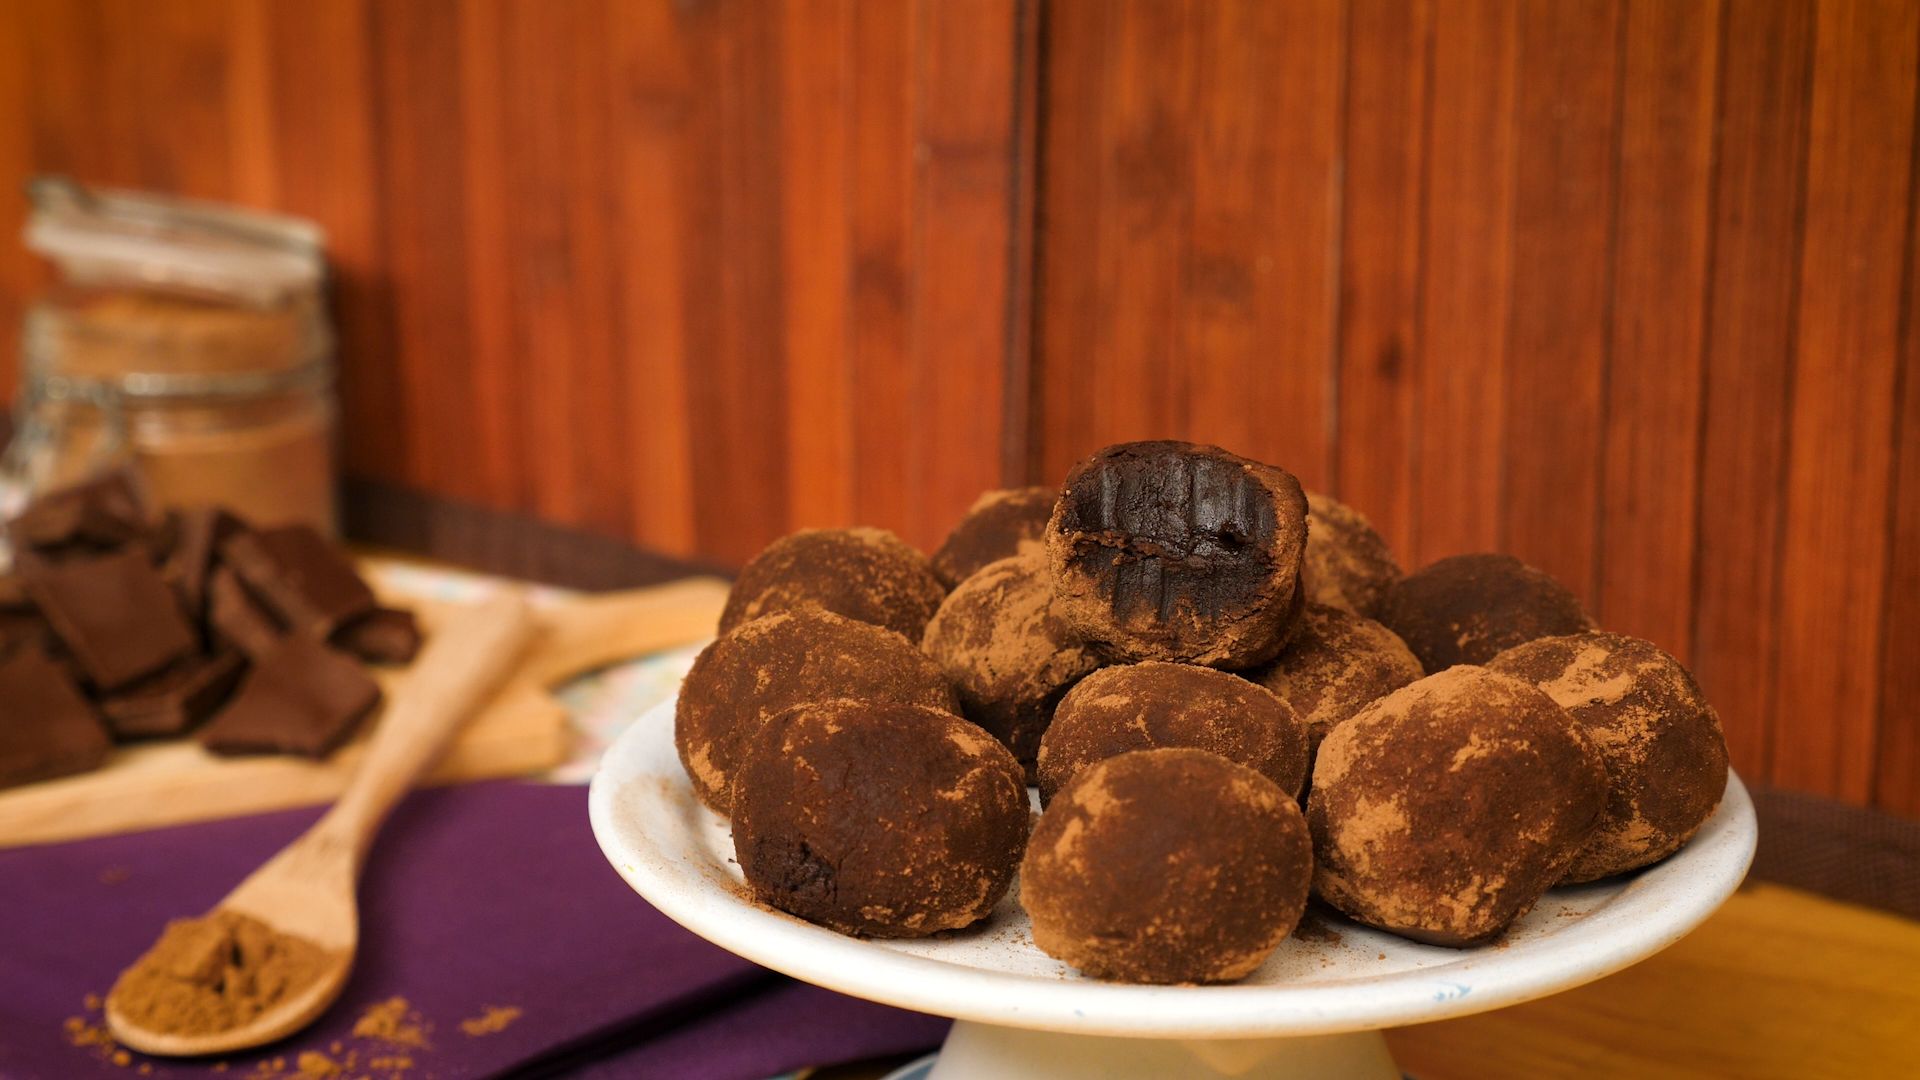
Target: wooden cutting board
x,y
522,730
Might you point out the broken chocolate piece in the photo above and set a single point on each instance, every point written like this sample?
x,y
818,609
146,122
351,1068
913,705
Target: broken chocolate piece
x,y
47,729
381,636
235,619
113,611
95,515
174,700
197,535
299,576
301,697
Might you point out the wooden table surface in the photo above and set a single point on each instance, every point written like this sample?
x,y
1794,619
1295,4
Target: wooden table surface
x,y
1778,983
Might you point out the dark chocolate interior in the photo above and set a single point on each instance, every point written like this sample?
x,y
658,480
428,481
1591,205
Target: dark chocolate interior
x,y
1163,527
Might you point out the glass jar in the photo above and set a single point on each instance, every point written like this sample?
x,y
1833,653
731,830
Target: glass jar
x,y
190,341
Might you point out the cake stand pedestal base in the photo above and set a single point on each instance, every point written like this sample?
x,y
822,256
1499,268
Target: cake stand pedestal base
x,y
975,1050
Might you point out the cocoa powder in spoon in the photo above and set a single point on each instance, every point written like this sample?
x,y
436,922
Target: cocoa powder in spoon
x,y
215,973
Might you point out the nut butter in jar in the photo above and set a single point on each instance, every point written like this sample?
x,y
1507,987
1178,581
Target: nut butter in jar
x,y
187,339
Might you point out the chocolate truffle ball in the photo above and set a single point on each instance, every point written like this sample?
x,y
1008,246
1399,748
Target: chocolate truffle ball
x,y
869,575
1156,704
1468,609
764,667
1348,565
1010,658
1000,524
1167,866
878,819
1444,810
1337,664
1666,758
1172,551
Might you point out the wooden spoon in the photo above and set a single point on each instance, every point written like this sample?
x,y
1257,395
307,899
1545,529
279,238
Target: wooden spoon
x,y
308,890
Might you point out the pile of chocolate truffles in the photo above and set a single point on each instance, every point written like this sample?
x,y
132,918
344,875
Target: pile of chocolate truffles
x,y
118,624
1230,700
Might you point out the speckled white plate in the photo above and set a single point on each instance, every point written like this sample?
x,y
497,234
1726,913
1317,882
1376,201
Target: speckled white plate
x,y
679,856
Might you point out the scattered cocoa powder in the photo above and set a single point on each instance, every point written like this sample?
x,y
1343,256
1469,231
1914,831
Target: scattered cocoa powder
x,y
392,1021
495,1018
215,973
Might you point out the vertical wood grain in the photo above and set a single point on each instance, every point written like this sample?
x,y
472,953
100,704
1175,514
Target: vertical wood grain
x,y
1765,75
1897,775
1388,71
1833,559
1567,107
1651,430
1460,373
815,147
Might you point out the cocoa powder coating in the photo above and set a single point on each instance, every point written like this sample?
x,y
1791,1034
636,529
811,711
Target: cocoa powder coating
x,y
1443,811
1348,565
1174,551
1467,609
869,575
1337,664
215,973
1167,866
1007,654
764,667
999,525
878,819
1666,756
1157,705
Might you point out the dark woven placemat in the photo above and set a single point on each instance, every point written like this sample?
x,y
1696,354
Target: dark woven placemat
x,y
1844,852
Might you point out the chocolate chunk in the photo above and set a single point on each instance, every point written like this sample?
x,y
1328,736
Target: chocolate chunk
x,y
47,728
1443,811
97,515
174,700
381,636
869,575
307,582
999,525
235,620
1172,551
114,612
1348,564
13,594
198,534
300,697
1167,866
878,819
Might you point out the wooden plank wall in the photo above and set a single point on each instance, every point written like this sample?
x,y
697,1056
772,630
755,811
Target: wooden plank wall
x,y
691,273
1623,286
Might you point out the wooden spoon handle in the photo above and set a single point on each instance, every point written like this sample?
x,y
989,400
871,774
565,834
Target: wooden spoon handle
x,y
461,665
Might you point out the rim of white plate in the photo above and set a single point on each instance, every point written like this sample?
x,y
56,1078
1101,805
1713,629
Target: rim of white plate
x,y
675,853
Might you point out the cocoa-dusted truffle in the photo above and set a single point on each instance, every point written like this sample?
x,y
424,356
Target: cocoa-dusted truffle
x,y
869,575
1467,609
1337,664
1010,658
1172,551
1666,757
1167,866
1157,704
764,667
1348,565
1444,810
999,525
878,819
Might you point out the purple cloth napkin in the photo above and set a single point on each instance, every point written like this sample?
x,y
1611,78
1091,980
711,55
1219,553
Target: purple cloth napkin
x,y
488,895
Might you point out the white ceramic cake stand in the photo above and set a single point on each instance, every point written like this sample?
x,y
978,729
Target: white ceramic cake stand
x,y
1315,1009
